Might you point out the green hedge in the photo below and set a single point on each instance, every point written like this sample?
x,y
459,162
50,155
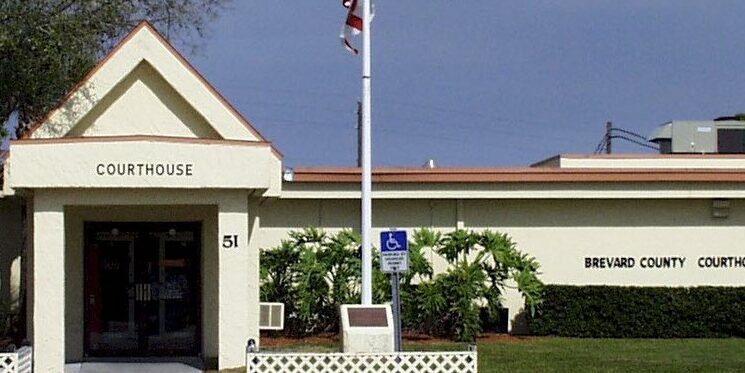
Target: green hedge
x,y
640,312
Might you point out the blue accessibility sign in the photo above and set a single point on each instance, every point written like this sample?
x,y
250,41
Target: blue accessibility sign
x,y
393,241
394,251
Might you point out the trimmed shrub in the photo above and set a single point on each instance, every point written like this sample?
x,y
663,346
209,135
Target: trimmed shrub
x,y
640,312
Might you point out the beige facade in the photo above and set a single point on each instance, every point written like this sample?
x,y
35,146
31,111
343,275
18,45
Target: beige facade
x,y
145,140
561,233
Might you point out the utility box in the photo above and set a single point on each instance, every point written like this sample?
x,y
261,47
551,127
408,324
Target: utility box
x,y
687,137
367,328
722,136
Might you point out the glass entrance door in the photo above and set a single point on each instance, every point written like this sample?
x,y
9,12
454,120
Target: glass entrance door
x,y
142,289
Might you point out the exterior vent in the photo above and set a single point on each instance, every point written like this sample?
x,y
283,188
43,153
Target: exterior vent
x,y
271,316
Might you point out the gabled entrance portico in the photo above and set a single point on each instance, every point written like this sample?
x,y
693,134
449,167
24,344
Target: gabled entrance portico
x,y
143,186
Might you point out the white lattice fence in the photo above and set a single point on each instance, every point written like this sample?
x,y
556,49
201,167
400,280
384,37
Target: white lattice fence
x,y
401,362
9,362
25,359
16,362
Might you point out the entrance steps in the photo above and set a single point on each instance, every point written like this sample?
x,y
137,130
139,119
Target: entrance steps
x,y
136,365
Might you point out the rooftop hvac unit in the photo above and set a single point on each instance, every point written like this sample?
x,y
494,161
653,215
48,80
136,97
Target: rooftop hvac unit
x,y
700,137
271,316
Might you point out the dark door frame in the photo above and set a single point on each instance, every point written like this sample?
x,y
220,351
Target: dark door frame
x,y
143,228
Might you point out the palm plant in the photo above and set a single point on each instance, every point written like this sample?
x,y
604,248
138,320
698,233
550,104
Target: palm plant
x,y
480,264
313,273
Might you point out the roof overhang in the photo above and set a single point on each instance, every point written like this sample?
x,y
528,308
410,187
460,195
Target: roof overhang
x,y
518,190
517,183
519,175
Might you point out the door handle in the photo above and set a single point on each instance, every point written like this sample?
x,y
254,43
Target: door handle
x,y
143,292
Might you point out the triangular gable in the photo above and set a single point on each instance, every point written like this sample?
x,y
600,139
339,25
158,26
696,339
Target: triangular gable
x,y
143,103
141,78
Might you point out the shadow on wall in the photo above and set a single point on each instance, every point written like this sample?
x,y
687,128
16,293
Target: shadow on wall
x,y
71,110
499,214
554,213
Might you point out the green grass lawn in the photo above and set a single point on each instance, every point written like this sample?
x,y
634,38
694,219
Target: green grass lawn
x,y
593,355
607,355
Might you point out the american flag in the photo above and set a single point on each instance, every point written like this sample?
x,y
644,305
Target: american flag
x,y
353,24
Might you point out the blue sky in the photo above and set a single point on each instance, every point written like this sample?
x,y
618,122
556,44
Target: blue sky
x,y
481,83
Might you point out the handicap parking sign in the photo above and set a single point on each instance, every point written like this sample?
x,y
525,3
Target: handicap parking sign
x,y
394,251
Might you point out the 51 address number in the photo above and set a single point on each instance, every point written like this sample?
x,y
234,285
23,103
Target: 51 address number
x,y
230,241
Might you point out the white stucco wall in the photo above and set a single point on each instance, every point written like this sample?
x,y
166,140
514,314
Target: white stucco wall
x,y
560,233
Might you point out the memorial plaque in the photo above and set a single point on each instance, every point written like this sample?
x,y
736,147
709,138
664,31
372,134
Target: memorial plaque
x,y
367,317
366,328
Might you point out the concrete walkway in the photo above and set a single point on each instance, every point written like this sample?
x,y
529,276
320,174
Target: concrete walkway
x,y
132,367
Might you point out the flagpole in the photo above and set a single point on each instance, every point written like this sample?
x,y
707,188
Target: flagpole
x,y
366,224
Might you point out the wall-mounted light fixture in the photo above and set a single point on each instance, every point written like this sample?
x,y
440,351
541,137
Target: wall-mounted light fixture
x,y
288,175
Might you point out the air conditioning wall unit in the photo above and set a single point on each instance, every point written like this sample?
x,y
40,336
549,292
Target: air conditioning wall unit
x,y
271,316
722,136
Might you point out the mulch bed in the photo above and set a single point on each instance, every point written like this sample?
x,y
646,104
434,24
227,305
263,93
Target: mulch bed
x,y
330,339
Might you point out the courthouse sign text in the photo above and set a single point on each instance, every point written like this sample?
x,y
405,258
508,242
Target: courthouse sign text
x,y
663,262
145,169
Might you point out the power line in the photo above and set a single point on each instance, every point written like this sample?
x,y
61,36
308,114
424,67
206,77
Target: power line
x,y
601,145
629,133
610,133
634,141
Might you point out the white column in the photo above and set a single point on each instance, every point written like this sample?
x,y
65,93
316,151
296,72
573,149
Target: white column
x,y
48,268
233,281
253,270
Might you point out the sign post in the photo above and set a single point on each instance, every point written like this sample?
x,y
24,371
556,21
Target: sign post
x,y
396,297
394,259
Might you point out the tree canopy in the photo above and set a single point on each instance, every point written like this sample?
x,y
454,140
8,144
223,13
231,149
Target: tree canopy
x,y
47,46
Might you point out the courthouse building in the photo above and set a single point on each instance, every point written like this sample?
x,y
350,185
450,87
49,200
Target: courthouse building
x,y
146,198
